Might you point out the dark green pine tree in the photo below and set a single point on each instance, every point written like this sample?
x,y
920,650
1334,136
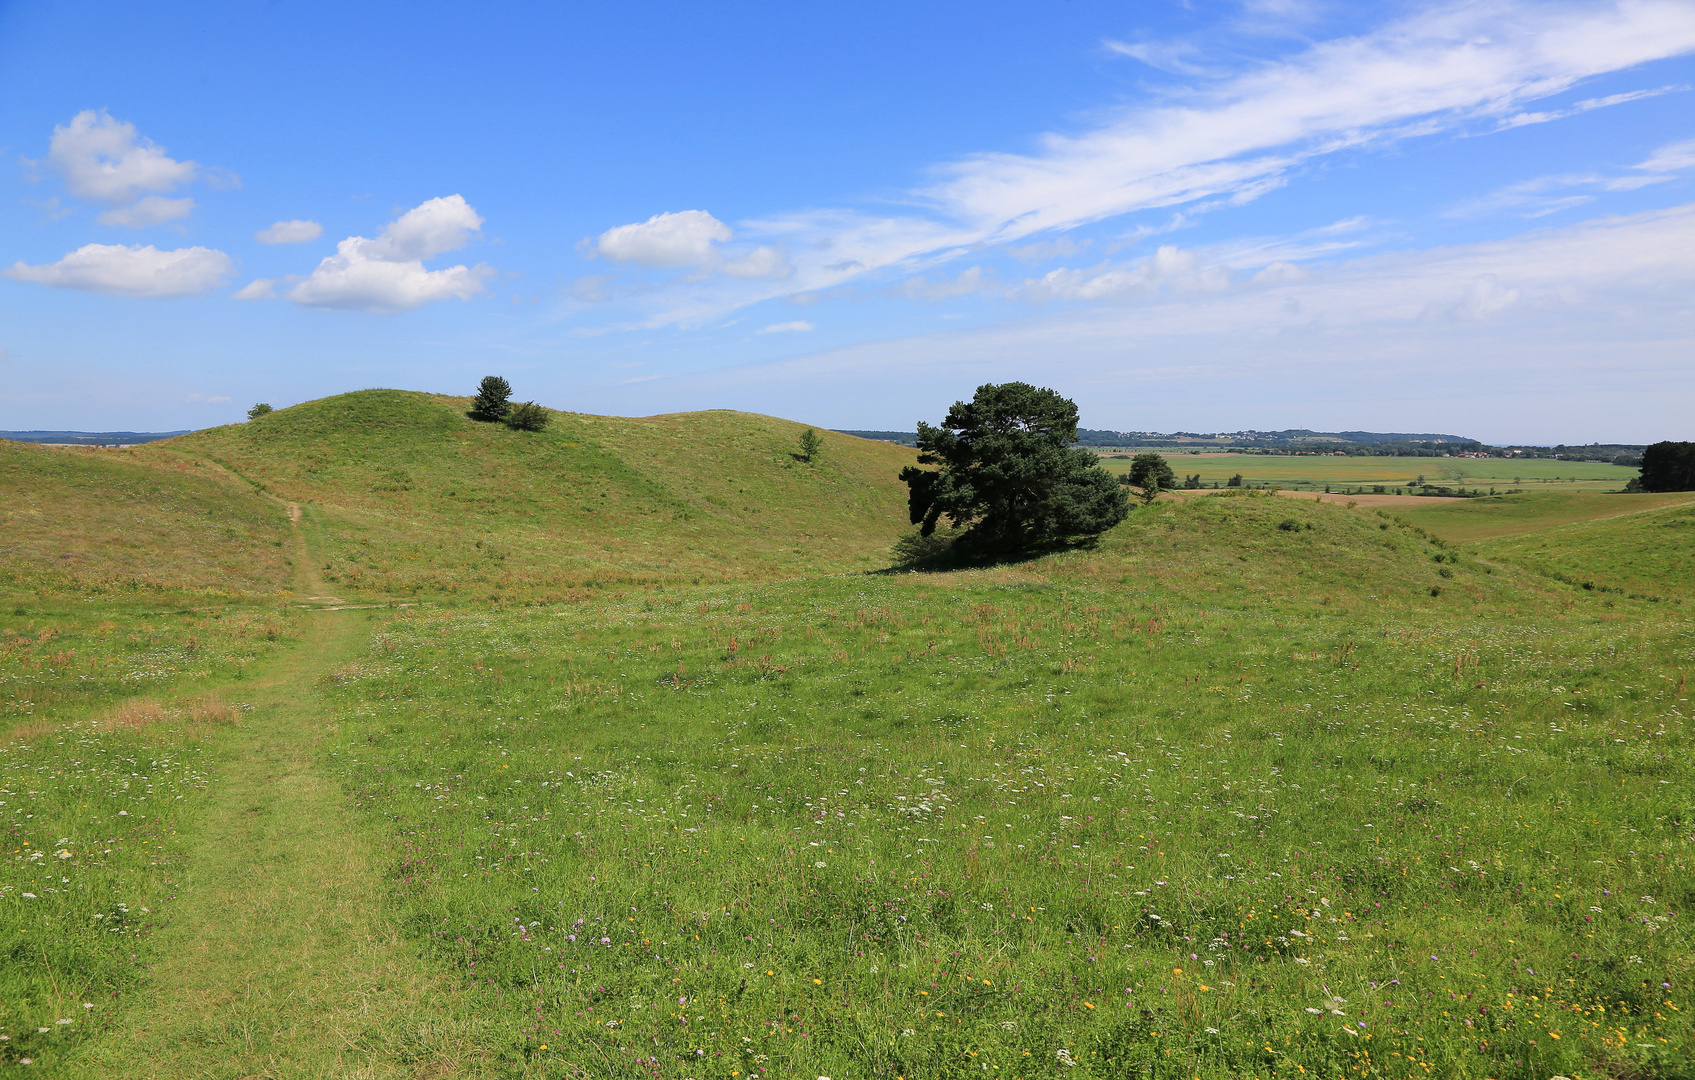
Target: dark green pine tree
x,y
493,401
1668,466
1009,473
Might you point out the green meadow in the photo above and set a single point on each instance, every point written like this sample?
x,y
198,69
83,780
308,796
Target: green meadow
x,y
627,750
1539,475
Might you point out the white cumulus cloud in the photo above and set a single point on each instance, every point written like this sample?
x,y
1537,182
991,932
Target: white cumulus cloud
x,y
387,274
257,289
152,210
105,160
131,271
290,232
668,240
428,229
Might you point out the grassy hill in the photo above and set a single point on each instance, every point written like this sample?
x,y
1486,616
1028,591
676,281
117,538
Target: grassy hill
x,y
99,523
1638,544
412,498
1648,552
1498,516
1250,787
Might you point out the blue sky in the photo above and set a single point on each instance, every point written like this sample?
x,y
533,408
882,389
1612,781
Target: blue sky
x,y
1476,218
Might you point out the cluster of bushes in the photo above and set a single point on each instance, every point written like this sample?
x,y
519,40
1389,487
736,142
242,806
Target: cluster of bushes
x,y
493,404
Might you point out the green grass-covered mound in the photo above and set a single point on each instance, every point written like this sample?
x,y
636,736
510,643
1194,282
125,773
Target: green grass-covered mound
x,y
416,498
1649,552
99,523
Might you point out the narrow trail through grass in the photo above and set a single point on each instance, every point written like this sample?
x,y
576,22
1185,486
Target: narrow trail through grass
x,y
278,962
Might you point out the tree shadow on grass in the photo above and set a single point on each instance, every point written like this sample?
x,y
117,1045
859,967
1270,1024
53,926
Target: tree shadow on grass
x,y
961,554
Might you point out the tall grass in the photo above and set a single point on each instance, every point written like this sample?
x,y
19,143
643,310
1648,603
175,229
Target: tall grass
x,y
1100,815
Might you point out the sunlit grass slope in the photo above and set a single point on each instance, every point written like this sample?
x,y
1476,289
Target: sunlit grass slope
x,y
410,497
1254,788
1511,515
1649,553
97,523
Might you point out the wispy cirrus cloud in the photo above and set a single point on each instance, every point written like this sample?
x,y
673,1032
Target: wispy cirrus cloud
x,y
1544,195
1225,141
1602,306
1421,75
1523,118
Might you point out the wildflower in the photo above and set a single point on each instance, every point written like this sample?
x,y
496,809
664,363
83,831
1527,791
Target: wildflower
x,y
1212,1031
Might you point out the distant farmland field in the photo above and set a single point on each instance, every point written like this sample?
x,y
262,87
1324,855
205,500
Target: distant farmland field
x,y
1536,474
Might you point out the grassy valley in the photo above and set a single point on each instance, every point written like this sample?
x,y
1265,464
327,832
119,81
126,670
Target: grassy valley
x,y
665,771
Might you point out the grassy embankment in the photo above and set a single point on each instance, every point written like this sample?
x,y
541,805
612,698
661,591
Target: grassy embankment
x,y
415,500
1637,544
1288,471
1256,788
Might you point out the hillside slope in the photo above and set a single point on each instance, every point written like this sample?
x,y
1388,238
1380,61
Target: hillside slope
x,y
1648,553
412,498
98,523
1498,516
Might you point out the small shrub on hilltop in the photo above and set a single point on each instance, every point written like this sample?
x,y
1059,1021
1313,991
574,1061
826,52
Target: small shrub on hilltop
x,y
527,416
811,446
